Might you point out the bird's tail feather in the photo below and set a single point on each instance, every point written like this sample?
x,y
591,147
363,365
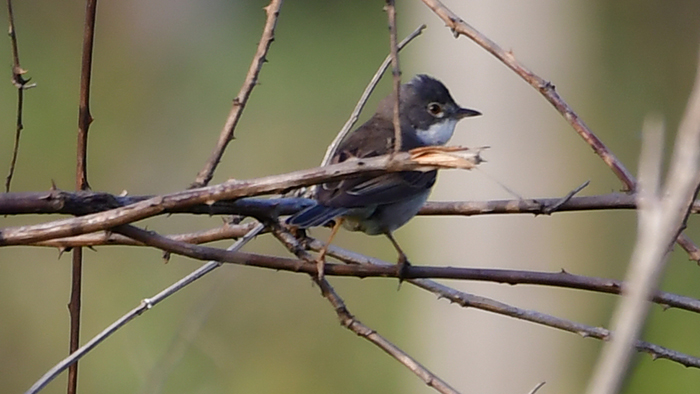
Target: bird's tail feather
x,y
318,215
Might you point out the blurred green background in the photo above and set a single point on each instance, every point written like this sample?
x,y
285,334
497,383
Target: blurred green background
x,y
165,73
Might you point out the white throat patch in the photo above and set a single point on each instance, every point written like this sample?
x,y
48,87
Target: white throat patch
x,y
438,133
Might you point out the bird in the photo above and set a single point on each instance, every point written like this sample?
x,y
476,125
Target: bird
x,y
380,204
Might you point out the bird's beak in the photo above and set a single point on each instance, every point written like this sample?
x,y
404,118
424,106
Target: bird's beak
x,y
466,113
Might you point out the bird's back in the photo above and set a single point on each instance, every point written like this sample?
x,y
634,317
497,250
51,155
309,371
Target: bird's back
x,y
383,189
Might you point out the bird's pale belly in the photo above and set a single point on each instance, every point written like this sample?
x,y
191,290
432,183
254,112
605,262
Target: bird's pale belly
x,y
383,219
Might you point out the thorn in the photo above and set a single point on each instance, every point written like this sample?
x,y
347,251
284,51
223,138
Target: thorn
x,y
166,257
147,303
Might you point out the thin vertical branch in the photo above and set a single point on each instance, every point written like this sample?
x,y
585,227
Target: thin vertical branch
x,y
74,308
662,215
21,84
365,96
396,71
84,116
81,182
251,79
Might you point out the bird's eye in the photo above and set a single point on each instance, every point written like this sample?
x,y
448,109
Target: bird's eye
x,y
435,109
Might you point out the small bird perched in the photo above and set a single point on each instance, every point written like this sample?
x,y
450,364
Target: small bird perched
x,y
381,204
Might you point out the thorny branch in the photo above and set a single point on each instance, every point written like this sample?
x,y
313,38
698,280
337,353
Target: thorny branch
x,y
83,203
483,303
561,279
81,182
349,321
251,79
380,268
21,84
546,88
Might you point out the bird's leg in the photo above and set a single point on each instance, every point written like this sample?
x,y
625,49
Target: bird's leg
x,y
321,258
402,264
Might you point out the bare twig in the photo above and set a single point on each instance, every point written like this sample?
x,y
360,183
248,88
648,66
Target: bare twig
x,y
395,70
226,191
81,182
106,238
21,84
83,203
145,305
365,96
460,27
84,116
188,331
383,269
74,308
662,215
560,279
538,206
489,305
251,79
388,270
537,387
549,210
349,321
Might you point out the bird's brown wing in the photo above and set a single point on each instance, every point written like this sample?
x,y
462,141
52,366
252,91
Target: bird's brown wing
x,y
373,190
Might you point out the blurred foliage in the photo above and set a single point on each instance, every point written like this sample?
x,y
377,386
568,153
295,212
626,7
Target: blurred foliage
x,y
164,76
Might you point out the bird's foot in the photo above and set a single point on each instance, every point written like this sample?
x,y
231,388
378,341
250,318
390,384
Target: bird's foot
x,y
402,267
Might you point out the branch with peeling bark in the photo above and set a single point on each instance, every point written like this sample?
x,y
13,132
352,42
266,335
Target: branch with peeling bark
x,y
228,190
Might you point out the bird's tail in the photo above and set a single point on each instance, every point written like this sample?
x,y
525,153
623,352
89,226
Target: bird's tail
x,y
315,216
